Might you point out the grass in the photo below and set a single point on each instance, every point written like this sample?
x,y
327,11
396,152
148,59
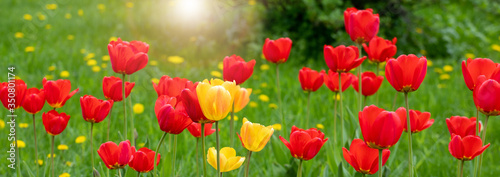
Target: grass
x,y
92,31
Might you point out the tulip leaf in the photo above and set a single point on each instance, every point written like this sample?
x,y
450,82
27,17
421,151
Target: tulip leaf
x,y
279,151
325,172
358,174
387,171
342,172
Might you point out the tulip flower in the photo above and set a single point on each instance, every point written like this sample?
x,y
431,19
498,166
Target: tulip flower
x,y
406,73
116,156
128,57
310,80
173,120
236,69
472,68
192,106
370,83
466,149
380,50
162,101
463,126
381,129
143,159
486,96
228,159
54,124
94,110
58,92
364,159
215,98
342,58
254,137
241,99
277,51
34,100
195,129
419,120
112,88
19,93
361,25
172,87
331,80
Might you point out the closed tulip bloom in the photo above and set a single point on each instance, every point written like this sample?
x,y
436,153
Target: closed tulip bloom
x,y
57,92
228,159
236,69
472,68
342,58
192,106
128,57
143,160
241,99
362,25
195,129
363,158
419,120
277,51
311,80
466,148
332,80
215,100
173,120
380,50
112,88
254,136
381,129
19,93
370,83
54,122
486,96
406,73
34,100
172,87
162,101
94,110
305,144
116,156
463,126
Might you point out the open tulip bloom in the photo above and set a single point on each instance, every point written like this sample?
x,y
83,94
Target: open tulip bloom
x,y
172,87
236,69
57,92
466,148
370,83
473,68
143,160
116,156
228,159
419,120
380,50
363,158
254,137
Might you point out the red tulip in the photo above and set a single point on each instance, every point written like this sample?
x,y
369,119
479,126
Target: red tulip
x,y
406,73
463,126
34,100
363,158
472,68
236,69
418,120
332,80
143,160
116,156
486,96
57,92
304,144
466,148
371,83
195,129
362,25
172,87
18,94
380,50
128,57
162,101
54,122
173,120
112,88
342,58
277,51
381,129
94,110
192,106
311,80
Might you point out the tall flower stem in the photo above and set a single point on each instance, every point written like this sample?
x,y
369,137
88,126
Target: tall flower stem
x,y
247,168
124,108
120,172
483,137
461,169
360,71
408,124
376,93
52,156
476,161
36,146
380,164
217,146
197,157
138,174
92,144
394,102
341,116
173,159
231,127
17,148
283,123
308,108
335,119
204,157
109,123
299,171
131,116
157,149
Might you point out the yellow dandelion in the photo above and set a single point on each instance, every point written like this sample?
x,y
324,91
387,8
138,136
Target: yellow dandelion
x,y
101,7
48,26
129,4
470,55
96,69
112,38
90,55
62,147
153,63
64,74
64,175
80,139
320,126
444,76
264,67
51,6
80,12
39,161
277,127
49,77
29,49
141,144
41,17
263,98
67,16
105,58
263,85
216,73
257,91
19,35
252,104
447,68
155,80
336,97
138,108
235,117
419,30
496,47
27,17
21,144
252,2
52,68
68,163
71,37
2,124
220,65
438,70
429,63
104,65
423,52
273,106
91,62
23,125
175,59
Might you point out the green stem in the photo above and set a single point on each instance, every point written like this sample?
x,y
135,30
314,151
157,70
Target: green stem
x,y
380,164
364,100
376,93
308,108
394,102
173,159
335,119
247,168
341,115
483,137
131,116
109,123
476,161
363,175
360,72
157,149
231,127
283,123
217,146
119,172
92,145
52,156
17,148
36,146
462,169
124,108
204,157
197,157
138,174
299,171
408,124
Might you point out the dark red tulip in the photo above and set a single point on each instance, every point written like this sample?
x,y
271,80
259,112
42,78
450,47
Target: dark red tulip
x,y
277,51
380,50
370,83
236,69
57,92
192,106
486,96
418,120
332,80
311,80
116,156
34,100
143,160
94,110
173,119
466,148
128,57
54,122
381,129
472,68
362,25
195,129
172,87
20,91
463,126
112,88
342,58
406,73
363,158
304,144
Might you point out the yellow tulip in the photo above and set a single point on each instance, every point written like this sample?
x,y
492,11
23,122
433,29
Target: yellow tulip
x,y
241,99
228,159
255,136
215,98
229,86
